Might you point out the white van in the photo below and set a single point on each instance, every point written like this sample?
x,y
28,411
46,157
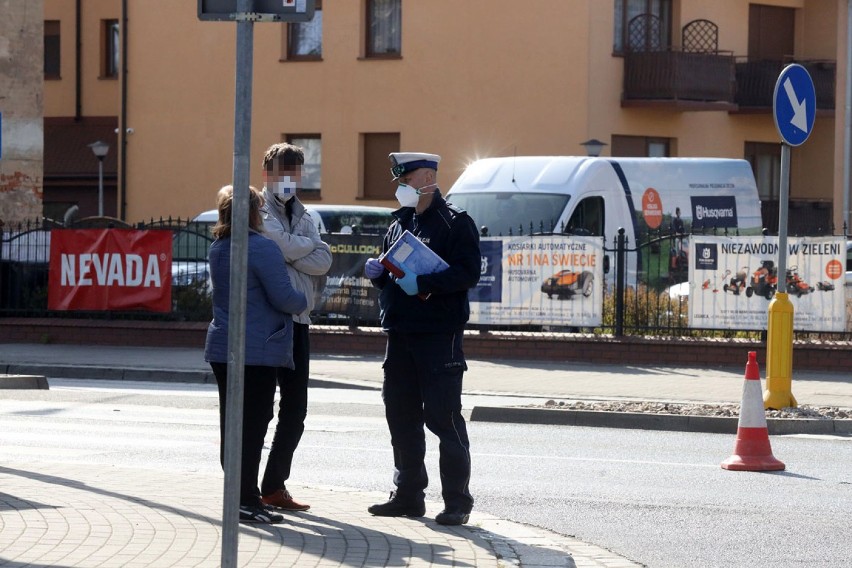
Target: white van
x,y
597,196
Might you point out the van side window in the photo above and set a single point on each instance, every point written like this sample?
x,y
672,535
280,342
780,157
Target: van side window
x,y
588,218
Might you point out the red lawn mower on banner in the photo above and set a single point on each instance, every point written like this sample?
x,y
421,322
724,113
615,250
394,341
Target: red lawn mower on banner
x,y
764,281
795,284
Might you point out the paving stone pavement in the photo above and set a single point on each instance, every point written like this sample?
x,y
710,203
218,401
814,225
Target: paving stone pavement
x,y
66,515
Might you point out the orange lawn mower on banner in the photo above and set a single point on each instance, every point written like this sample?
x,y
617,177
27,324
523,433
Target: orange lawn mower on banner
x,y
567,283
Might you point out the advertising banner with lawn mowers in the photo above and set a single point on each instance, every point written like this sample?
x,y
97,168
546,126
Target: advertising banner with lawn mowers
x,y
732,280
539,280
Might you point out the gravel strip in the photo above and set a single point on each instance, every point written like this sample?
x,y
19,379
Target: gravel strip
x,y
695,409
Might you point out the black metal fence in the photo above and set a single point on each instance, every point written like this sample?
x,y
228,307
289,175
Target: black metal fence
x,y
25,269
657,307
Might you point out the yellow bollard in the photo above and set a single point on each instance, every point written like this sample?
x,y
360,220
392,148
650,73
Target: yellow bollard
x,y
779,354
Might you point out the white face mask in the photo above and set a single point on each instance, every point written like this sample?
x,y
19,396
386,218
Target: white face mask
x,y
284,189
409,196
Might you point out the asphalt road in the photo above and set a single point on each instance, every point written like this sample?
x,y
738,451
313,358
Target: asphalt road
x,y
658,498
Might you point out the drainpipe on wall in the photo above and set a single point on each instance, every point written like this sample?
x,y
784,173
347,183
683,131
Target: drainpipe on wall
x,y
122,124
78,73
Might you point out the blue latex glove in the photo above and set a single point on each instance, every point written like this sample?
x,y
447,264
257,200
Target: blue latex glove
x,y
408,283
373,268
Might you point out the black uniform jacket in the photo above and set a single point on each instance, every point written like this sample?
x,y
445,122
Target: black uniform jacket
x,y
452,234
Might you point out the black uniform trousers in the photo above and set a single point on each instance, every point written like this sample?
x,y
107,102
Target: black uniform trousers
x,y
422,385
292,410
258,400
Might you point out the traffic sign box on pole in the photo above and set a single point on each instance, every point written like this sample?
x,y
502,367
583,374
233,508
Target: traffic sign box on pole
x,y
261,10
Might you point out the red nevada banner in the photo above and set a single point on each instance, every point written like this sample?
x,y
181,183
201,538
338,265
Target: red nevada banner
x,y
110,269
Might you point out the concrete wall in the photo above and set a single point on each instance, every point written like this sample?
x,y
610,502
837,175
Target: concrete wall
x,y
21,80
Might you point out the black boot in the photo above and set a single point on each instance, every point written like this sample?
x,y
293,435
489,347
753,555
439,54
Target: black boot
x,y
398,507
451,517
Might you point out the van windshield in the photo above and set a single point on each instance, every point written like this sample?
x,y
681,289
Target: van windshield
x,y
502,213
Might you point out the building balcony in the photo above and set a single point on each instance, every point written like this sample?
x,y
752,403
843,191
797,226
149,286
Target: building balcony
x,y
756,83
679,80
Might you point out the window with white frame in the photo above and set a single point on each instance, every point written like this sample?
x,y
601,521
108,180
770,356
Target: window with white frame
x,y
311,145
304,39
384,28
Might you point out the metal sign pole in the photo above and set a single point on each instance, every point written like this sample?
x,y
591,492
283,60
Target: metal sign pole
x,y
783,201
237,299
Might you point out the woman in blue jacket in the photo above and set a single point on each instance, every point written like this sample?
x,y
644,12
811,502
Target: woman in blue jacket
x,y
270,303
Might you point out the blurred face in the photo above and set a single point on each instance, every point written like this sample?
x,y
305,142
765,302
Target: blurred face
x,y
278,173
282,181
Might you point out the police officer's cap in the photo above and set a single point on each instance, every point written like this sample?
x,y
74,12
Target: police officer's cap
x,y
404,162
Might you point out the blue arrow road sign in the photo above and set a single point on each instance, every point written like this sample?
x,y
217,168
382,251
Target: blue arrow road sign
x,y
794,104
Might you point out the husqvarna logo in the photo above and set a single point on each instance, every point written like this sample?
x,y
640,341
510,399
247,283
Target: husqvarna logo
x,y
483,265
706,256
716,211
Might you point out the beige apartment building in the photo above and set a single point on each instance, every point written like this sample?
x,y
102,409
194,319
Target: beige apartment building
x,y
461,79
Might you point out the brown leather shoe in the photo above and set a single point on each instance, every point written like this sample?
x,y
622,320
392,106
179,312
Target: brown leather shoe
x,y
281,499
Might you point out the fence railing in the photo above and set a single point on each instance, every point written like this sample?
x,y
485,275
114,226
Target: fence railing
x,y
677,75
25,269
655,308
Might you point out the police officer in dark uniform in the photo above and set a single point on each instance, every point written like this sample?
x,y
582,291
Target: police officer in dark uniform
x,y
424,317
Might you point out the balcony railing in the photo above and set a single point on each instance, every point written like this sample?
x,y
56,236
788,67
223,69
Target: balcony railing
x,y
679,76
756,82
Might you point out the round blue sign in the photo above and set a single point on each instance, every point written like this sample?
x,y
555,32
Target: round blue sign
x,y
794,104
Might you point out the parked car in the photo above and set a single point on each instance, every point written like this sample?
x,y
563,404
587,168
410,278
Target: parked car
x,y
189,250
349,219
189,253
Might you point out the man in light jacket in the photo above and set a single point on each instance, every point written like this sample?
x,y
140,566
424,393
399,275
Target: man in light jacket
x,y
308,259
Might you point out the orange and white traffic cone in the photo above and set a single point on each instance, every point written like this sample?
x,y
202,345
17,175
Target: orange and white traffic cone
x,y
752,451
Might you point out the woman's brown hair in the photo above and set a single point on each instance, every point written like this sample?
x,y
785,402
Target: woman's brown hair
x,y
224,203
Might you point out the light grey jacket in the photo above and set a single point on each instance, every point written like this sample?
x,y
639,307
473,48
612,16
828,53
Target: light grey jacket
x,y
308,258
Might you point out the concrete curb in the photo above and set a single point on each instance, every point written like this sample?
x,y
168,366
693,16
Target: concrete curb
x,y
148,375
112,373
639,421
23,382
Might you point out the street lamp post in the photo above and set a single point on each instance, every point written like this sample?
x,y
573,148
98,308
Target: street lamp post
x,y
100,150
593,147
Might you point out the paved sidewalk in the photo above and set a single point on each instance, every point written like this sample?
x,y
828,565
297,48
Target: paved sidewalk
x,y
80,515
74,515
